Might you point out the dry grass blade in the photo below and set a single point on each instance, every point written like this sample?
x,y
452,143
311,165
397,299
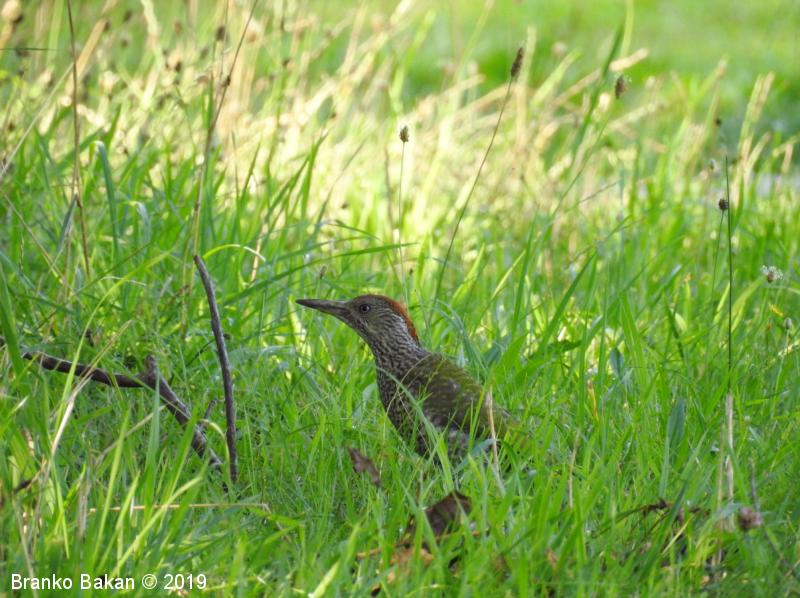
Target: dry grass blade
x,y
199,506
76,178
514,72
216,108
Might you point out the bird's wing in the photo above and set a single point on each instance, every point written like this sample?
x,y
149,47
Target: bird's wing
x,y
450,395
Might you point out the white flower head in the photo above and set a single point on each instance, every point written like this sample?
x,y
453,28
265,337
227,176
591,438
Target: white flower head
x,y
771,273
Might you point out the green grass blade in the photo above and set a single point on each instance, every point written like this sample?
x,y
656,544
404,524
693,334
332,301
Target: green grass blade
x,y
8,325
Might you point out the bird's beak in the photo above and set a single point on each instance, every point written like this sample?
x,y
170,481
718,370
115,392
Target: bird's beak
x,y
337,309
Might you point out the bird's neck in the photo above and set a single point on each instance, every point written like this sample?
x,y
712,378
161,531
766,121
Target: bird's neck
x,y
397,359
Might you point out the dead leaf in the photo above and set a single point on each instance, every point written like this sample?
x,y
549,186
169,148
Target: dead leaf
x,y
362,463
442,517
444,514
748,519
401,563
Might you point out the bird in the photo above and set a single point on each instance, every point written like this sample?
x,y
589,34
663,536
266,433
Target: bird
x,y
417,387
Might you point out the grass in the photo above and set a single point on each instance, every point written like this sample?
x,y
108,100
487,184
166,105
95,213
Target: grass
x,y
588,285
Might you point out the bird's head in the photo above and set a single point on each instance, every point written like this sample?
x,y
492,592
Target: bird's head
x,y
382,322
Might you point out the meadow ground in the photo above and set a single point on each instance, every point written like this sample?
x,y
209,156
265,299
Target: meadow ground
x,y
559,235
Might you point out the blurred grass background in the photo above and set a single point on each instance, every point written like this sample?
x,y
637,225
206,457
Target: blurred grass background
x,y
683,39
588,286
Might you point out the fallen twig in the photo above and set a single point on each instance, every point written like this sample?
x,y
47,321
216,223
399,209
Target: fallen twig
x,y
222,352
150,378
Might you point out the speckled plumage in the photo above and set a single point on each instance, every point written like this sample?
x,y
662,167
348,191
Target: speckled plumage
x,y
413,381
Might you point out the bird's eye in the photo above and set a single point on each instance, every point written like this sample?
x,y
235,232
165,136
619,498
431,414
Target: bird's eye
x,y
364,308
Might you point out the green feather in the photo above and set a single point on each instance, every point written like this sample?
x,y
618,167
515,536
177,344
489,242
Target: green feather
x,y
449,394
